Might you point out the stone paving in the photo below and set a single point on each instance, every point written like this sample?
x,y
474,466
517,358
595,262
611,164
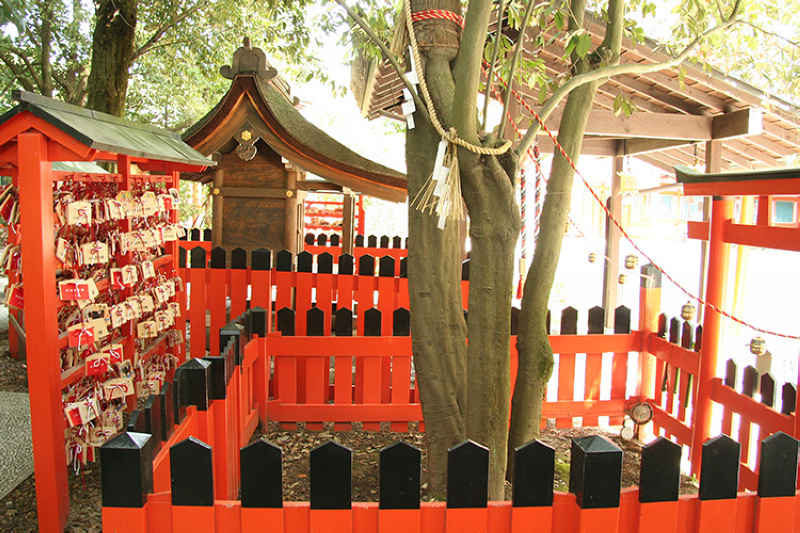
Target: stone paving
x,y
16,449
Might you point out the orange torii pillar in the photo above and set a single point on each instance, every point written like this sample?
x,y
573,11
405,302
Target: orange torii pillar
x,y
47,417
718,259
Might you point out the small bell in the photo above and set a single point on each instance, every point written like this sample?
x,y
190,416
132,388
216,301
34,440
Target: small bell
x,y
631,261
592,257
621,279
758,346
688,311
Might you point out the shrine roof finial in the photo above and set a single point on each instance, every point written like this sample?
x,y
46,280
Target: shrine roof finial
x,y
249,60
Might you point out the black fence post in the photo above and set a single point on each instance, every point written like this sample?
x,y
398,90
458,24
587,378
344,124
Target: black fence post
x,y
777,470
167,406
569,321
152,417
192,472
534,472
467,476
261,259
305,262
126,470
346,264
286,321
196,376
660,471
325,263
283,261
401,322
372,322
232,331
315,322
595,472
400,476
331,466
719,470
343,322
262,475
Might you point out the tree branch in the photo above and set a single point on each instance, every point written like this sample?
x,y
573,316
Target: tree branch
x,y
616,70
28,66
17,72
518,46
164,28
420,105
490,77
771,33
467,69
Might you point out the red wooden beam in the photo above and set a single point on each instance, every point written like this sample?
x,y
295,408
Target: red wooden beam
x,y
674,355
775,237
673,426
770,420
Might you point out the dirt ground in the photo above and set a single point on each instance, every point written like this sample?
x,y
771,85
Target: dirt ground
x,y
18,508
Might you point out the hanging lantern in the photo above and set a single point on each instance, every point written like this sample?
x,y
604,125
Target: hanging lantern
x,y
622,279
592,257
688,311
758,346
631,261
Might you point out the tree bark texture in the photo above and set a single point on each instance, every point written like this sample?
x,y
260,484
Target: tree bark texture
x,y
438,328
533,346
494,229
112,52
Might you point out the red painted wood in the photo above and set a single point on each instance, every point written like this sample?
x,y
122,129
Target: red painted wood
x,y
432,517
401,386
658,517
197,311
399,521
565,513
228,516
746,513
772,421
566,384
125,520
402,293
344,285
466,520
297,517
262,520
284,293
365,517
716,515
217,291
598,520
47,417
343,386
522,518
159,514
331,521
193,519
498,519
619,380
325,299
594,369
386,305
261,292
238,291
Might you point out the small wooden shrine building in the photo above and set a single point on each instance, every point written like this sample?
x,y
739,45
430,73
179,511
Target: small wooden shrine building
x,y
264,148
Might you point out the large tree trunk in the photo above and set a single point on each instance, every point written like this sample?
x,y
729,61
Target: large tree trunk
x,y
112,52
438,328
494,230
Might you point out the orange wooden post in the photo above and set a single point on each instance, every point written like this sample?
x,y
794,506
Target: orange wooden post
x,y
658,517
262,520
399,521
325,299
228,516
524,519
238,275
718,258
44,381
197,304
193,519
466,520
649,309
716,515
775,514
216,304
125,519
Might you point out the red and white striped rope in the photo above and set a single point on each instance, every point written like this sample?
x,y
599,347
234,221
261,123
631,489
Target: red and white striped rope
x,y
431,14
624,233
